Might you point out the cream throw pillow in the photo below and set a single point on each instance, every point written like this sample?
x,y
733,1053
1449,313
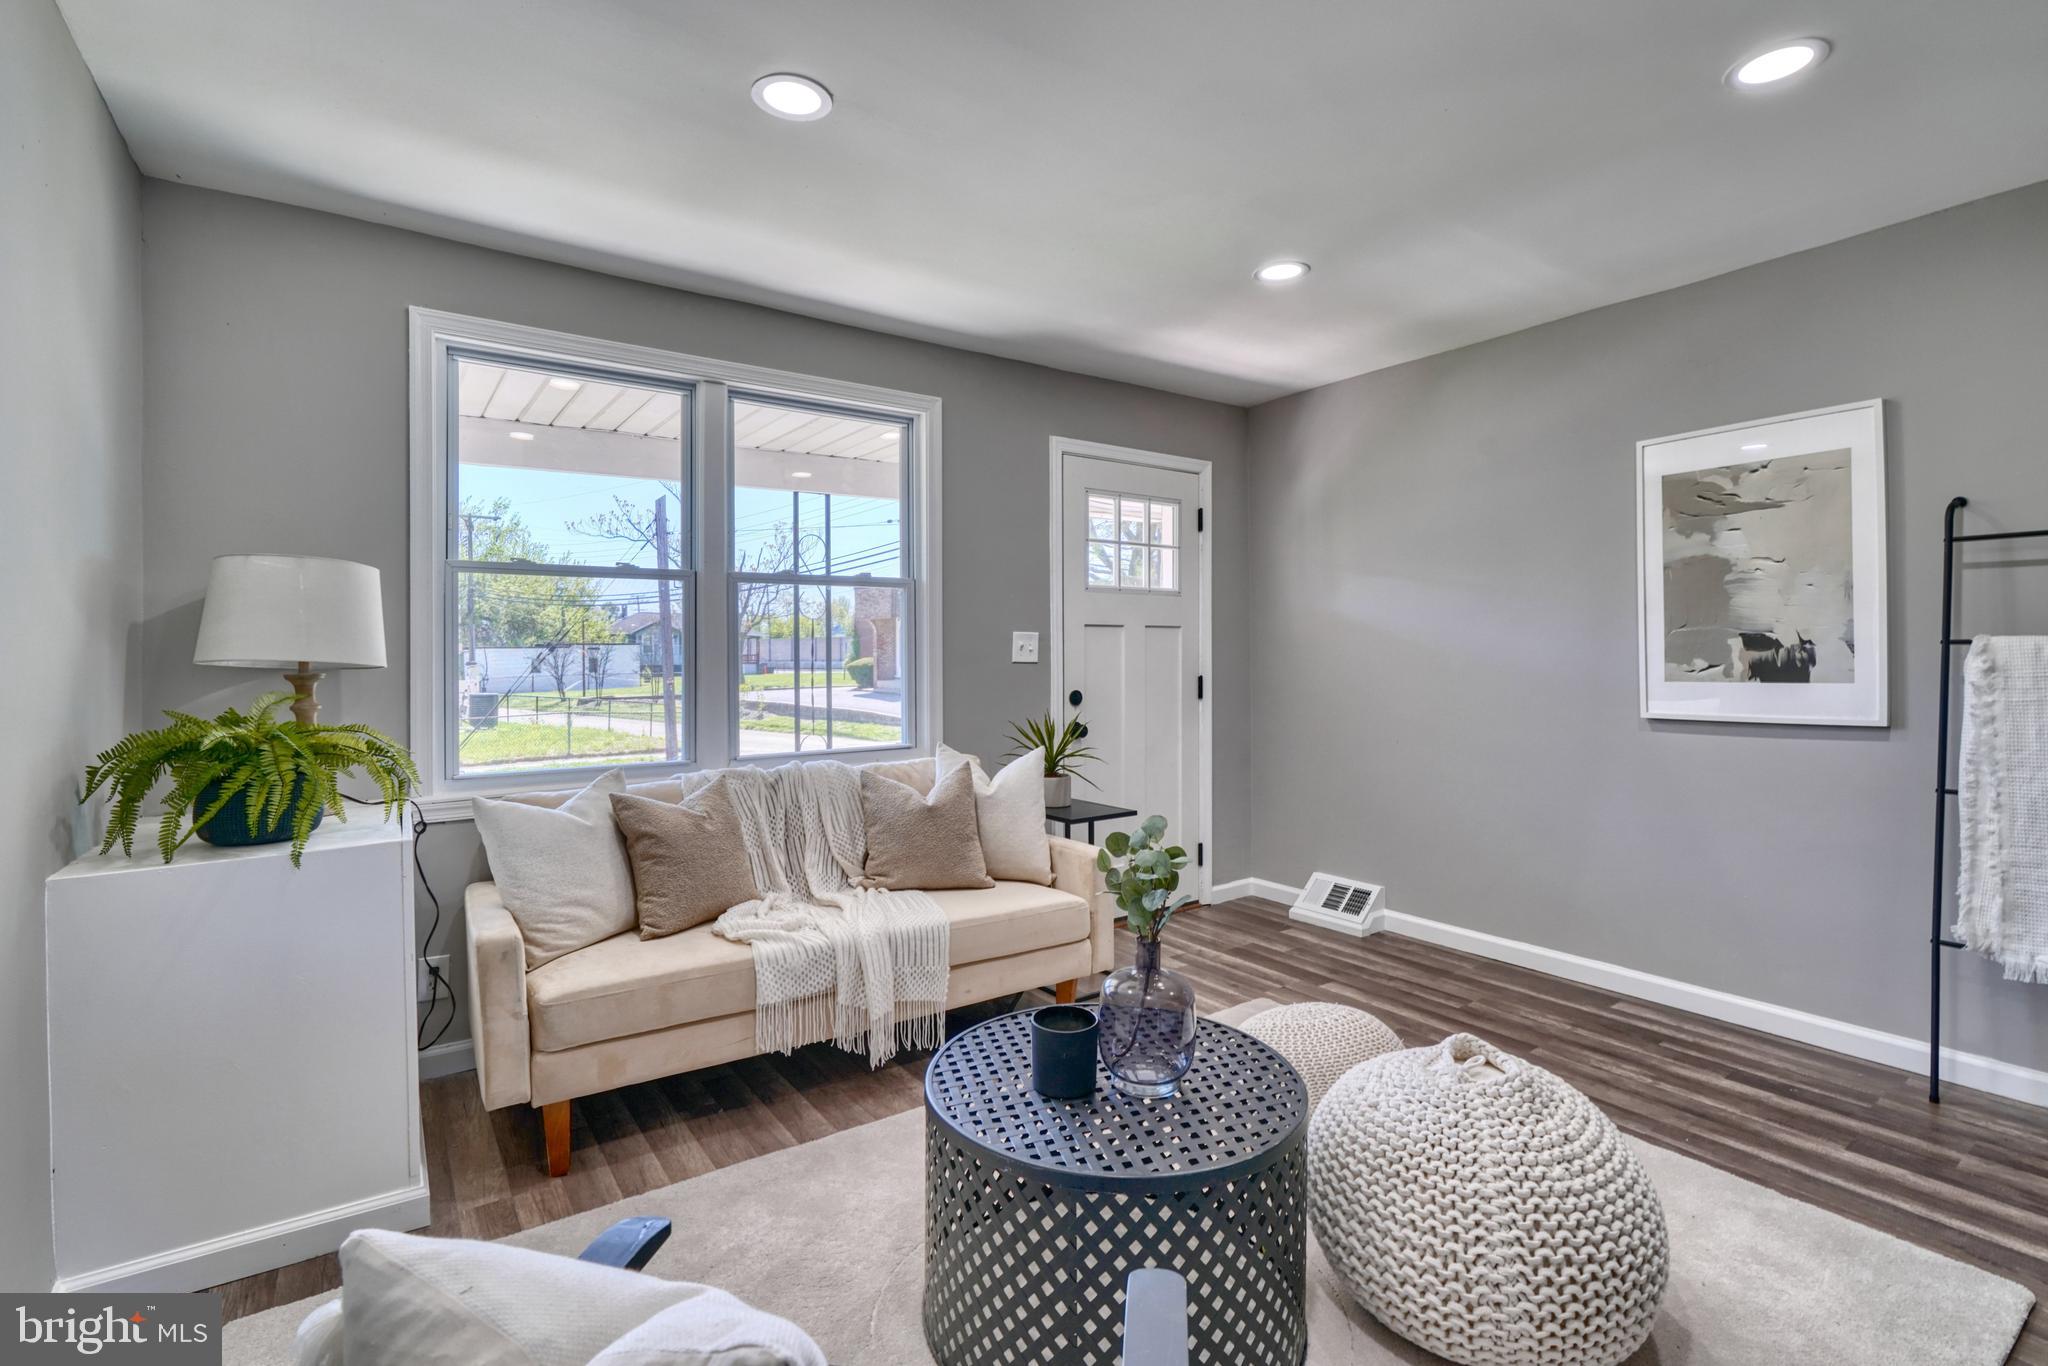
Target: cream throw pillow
x,y
410,1301
562,870
689,858
918,844
1010,809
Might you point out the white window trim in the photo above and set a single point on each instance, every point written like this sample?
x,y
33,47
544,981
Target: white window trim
x,y
444,797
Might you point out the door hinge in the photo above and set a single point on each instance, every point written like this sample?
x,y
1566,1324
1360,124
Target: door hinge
x,y
1198,517
1200,854
1199,684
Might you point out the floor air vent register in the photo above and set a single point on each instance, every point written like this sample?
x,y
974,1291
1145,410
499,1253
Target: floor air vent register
x,y
1346,905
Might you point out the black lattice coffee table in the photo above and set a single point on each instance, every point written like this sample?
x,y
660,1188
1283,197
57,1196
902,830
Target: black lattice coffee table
x,y
1037,1210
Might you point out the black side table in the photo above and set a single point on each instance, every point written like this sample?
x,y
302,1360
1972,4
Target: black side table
x,y
1084,813
1037,1211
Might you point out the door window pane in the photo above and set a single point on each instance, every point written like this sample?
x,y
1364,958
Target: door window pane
x,y
1165,517
1133,543
1132,527
1101,517
1101,564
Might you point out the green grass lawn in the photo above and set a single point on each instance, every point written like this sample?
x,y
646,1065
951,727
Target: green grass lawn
x,y
511,742
644,695
849,730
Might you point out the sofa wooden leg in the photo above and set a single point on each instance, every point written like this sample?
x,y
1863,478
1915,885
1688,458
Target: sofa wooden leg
x,y
1065,991
554,1123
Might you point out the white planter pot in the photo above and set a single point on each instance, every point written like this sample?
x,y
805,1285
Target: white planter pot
x,y
1059,791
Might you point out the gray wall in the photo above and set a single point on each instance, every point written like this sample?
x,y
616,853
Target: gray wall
x,y
1444,578
276,349
70,491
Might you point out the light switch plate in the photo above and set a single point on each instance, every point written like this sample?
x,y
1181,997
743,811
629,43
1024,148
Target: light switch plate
x,y
1023,647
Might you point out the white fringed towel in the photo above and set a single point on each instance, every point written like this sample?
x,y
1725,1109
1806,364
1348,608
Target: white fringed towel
x,y
2002,891
834,960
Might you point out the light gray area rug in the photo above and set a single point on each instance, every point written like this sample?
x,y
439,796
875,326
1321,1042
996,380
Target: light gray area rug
x,y
830,1234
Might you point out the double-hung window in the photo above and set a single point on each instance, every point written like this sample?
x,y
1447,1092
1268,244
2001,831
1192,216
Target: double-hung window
x,y
821,594
629,557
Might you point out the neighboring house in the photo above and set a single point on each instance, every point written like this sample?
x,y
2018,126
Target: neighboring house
x,y
642,629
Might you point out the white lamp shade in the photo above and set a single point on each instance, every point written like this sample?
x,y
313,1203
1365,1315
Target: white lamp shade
x,y
272,611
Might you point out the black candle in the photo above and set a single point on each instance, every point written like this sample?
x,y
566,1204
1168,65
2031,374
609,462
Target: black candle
x,y
1063,1052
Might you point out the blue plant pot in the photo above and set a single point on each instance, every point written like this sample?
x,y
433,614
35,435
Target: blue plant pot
x,y
229,827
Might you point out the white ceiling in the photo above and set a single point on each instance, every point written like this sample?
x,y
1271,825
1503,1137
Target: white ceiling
x,y
1089,183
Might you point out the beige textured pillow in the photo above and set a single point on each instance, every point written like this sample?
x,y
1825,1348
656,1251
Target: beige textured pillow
x,y
1010,809
922,844
689,858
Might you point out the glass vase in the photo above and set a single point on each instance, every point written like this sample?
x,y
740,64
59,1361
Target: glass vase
x,y
1147,1038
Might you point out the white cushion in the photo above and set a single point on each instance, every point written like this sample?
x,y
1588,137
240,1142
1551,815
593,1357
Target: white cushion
x,y
562,871
1011,810
409,1301
713,1329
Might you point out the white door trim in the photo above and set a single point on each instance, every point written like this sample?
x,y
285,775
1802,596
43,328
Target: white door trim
x,y
1060,448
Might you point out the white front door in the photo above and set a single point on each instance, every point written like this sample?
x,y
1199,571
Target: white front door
x,y
1131,615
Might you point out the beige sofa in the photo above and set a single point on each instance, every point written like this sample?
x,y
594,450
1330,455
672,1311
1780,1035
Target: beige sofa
x,y
628,1009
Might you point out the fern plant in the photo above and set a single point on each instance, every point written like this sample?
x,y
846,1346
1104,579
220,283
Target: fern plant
x,y
1064,751
277,768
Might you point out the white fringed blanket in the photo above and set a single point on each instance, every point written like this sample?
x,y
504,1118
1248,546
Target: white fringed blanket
x,y
832,959
2002,891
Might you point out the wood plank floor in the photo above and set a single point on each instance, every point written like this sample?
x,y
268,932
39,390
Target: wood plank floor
x,y
1968,1178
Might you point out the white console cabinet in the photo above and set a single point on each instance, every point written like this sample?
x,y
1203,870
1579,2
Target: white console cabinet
x,y
233,1081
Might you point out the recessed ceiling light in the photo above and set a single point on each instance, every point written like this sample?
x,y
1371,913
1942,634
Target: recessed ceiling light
x,y
1789,59
789,96
520,436
1280,272
799,474
565,383
1758,446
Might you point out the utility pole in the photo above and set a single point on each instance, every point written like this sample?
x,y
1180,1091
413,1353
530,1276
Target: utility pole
x,y
469,521
664,633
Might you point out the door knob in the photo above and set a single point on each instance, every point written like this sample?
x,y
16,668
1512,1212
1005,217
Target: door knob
x,y
1074,698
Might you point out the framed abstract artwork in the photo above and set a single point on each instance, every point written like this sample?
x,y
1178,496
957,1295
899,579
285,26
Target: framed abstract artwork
x,y
1760,558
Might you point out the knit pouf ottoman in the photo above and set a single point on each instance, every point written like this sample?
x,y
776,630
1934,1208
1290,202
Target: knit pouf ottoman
x,y
1322,1039
1483,1209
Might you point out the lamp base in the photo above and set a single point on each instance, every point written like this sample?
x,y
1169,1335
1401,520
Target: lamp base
x,y
304,706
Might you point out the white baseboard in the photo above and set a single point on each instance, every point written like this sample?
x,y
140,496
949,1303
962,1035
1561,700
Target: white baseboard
x,y
1973,1070
1253,886
446,1059
232,1256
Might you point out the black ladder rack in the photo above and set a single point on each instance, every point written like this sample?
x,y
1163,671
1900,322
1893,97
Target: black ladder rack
x,y
1943,788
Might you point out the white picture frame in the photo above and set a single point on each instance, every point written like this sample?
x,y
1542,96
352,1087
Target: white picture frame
x,y
1750,608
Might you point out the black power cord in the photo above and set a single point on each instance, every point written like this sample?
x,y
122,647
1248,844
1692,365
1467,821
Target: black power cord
x,y
439,980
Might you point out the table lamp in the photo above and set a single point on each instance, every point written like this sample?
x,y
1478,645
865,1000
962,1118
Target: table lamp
x,y
304,613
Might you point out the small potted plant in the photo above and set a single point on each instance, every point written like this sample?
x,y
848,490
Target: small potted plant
x,y
243,777
1063,750
1147,1032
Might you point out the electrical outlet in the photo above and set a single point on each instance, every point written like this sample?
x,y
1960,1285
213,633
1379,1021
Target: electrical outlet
x,y
1023,647
440,961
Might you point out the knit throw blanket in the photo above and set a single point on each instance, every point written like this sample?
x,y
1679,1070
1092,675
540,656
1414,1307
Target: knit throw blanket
x,y
834,960
2002,891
